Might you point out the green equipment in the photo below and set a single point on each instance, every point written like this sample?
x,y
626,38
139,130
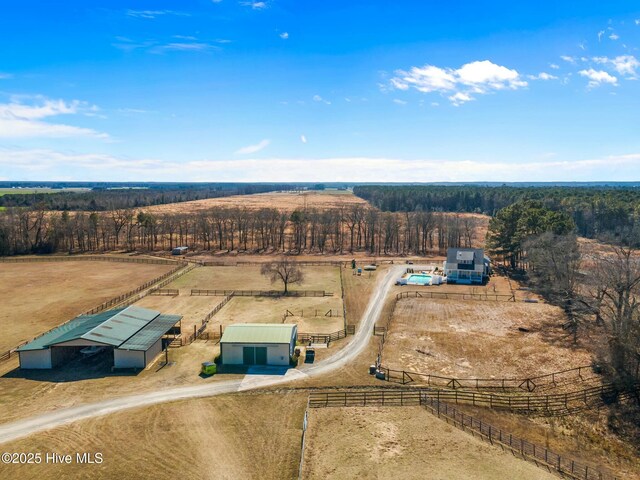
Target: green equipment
x,y
209,368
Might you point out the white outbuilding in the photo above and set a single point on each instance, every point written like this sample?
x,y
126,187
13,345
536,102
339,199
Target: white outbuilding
x,y
258,344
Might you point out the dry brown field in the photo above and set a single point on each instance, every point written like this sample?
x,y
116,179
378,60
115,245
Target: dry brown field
x,y
309,312
480,339
285,201
402,442
248,277
35,297
226,437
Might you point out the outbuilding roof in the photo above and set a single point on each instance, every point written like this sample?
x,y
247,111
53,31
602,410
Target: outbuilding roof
x,y
259,333
131,325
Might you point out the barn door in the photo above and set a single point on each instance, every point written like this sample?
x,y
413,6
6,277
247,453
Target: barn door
x,y
261,355
248,355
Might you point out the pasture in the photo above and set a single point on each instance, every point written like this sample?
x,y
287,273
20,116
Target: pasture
x,y
480,339
401,442
30,191
222,437
248,277
35,297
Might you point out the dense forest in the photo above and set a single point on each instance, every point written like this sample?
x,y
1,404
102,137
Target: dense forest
x,y
595,211
348,229
102,197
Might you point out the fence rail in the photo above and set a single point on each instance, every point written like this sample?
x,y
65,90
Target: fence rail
x,y
537,454
496,297
199,332
261,293
570,376
168,292
550,404
87,258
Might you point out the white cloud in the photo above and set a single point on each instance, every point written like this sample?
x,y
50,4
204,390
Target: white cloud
x,y
479,77
20,120
319,99
568,59
600,34
637,21
151,14
255,5
614,36
623,64
284,35
542,76
399,102
184,47
41,162
598,77
303,139
554,66
253,148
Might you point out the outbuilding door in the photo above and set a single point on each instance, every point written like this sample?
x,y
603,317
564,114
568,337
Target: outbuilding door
x,y
248,355
261,355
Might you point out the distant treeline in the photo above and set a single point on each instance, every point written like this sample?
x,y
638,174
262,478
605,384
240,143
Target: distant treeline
x,y
596,211
102,199
349,229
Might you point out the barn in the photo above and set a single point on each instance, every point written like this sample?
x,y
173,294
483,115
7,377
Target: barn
x,y
258,344
134,334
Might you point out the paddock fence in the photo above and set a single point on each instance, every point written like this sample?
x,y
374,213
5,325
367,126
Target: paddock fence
x,y
313,312
89,258
540,456
494,297
572,376
549,405
166,292
261,293
199,332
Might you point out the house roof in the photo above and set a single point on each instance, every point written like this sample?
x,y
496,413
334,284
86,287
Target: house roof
x,y
454,255
151,333
114,327
259,333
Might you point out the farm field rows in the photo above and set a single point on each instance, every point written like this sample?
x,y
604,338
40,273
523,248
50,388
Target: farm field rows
x,y
479,339
233,436
402,442
35,297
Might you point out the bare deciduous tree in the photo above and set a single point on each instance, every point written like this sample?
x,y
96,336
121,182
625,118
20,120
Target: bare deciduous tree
x,y
284,270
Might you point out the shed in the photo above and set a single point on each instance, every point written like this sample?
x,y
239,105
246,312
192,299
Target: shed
x,y
258,344
134,334
179,250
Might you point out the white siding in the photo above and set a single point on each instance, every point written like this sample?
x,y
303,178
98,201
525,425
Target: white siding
x,y
154,351
277,354
35,358
128,358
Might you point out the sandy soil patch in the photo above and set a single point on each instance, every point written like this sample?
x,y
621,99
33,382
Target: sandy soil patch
x,y
401,442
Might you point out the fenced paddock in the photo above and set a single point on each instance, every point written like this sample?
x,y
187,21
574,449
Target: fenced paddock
x,y
88,258
476,339
261,293
36,296
485,296
407,443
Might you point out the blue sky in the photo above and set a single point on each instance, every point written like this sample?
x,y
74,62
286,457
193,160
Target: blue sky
x,y
202,90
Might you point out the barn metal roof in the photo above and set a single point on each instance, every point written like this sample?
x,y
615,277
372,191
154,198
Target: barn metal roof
x,y
114,327
259,333
150,333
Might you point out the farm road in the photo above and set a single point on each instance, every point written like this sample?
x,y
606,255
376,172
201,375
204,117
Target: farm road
x,y
22,428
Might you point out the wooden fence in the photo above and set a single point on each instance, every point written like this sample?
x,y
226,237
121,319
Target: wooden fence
x,y
167,292
549,405
326,337
120,300
541,456
564,377
199,331
495,297
88,258
313,312
261,293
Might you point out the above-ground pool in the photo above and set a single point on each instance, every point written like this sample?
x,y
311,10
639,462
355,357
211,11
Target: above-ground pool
x,y
419,279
